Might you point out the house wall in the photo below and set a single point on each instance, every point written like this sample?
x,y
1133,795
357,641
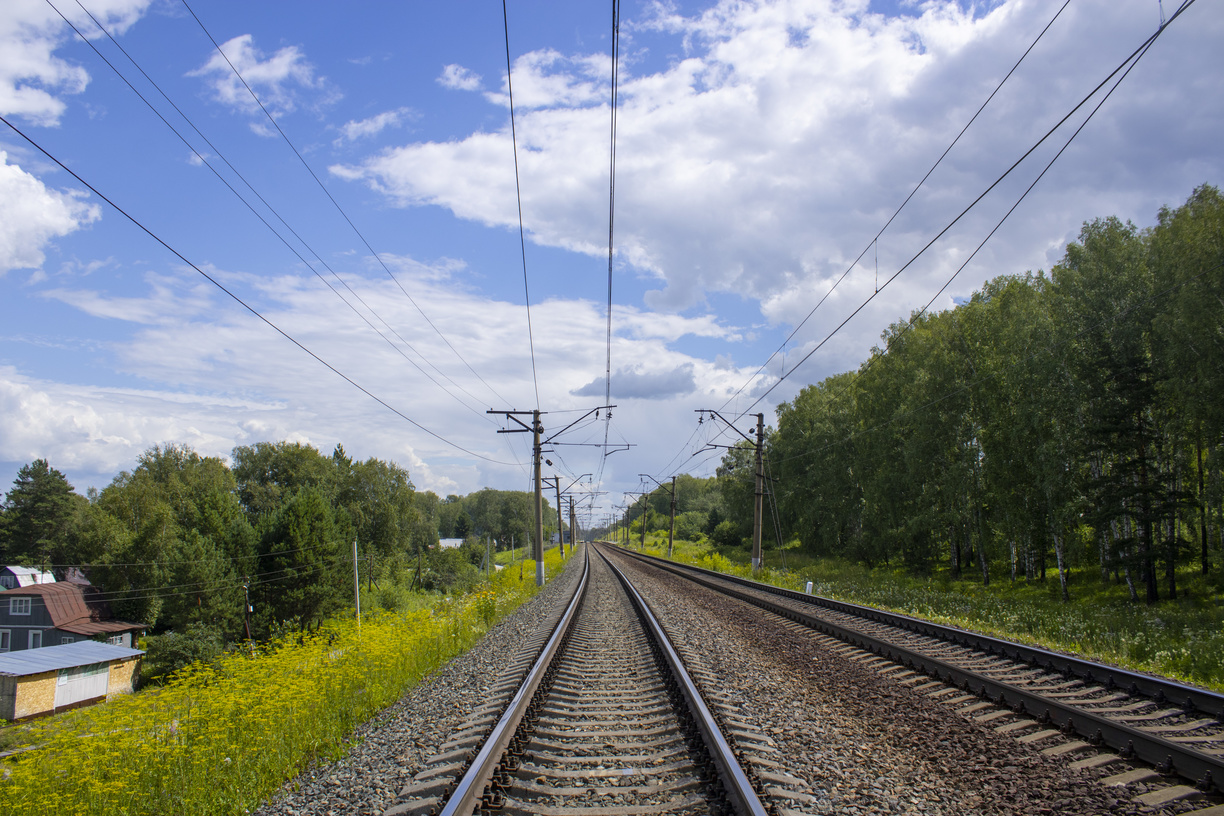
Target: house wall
x,y
21,625
123,677
35,695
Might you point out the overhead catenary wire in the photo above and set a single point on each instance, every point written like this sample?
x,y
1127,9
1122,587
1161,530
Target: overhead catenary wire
x,y
518,195
613,106
1048,349
204,160
874,243
332,199
233,296
1123,67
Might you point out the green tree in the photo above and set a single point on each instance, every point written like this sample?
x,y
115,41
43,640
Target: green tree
x,y
39,512
305,565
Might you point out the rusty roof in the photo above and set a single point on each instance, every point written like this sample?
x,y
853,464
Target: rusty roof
x,y
75,608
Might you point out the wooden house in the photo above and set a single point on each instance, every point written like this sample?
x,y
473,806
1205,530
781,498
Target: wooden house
x,y
39,615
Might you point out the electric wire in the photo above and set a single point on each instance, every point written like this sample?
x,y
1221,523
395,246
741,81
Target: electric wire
x,y
1125,66
204,160
244,304
611,220
874,241
518,194
333,200
1051,348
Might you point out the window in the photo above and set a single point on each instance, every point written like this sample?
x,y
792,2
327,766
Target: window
x,y
36,639
19,606
115,640
7,582
6,640
66,640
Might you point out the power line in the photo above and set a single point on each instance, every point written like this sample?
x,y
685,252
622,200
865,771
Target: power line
x,y
518,195
204,160
874,241
611,224
1132,58
332,199
1049,349
243,303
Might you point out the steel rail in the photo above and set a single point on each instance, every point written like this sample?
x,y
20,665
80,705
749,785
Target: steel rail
x,y
1205,770
740,792
1158,688
470,788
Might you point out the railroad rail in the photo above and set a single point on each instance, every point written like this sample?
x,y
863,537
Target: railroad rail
x,y
597,717
1176,728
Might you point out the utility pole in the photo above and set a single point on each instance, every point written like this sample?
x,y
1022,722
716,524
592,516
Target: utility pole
x,y
671,530
758,508
246,606
573,527
758,504
536,429
356,584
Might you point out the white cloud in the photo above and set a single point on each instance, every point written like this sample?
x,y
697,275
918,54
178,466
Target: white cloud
x,y
763,161
32,78
31,215
213,376
280,80
459,78
364,128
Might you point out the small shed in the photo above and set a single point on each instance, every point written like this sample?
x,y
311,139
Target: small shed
x,y
36,682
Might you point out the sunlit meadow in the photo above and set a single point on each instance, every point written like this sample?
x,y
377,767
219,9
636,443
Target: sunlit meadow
x,y
220,738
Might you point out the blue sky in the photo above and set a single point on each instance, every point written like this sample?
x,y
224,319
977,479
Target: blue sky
x,y
761,146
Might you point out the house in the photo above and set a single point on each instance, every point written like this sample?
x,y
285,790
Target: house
x,y
36,682
13,577
56,614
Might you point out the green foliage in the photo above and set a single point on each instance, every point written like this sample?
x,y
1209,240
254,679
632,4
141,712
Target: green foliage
x,y
166,654
38,513
1071,422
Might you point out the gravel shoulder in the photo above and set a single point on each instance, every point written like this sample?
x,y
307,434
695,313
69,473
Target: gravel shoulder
x,y
865,744
389,749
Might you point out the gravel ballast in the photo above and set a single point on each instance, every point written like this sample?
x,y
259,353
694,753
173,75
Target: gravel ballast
x,y
865,744
389,749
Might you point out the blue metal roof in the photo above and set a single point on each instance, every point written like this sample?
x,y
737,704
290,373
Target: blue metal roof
x,y
66,656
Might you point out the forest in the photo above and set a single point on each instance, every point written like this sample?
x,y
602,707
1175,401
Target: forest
x,y
184,543
1069,421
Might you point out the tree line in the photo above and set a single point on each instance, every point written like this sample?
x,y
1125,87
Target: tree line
x,y
186,543
1060,421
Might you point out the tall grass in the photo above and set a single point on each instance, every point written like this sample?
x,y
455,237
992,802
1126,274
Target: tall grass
x,y
1182,639
219,738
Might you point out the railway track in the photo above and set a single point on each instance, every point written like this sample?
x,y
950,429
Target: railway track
x,y
598,716
1094,714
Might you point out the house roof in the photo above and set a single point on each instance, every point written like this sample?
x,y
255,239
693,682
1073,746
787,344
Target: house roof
x,y
75,608
29,575
68,656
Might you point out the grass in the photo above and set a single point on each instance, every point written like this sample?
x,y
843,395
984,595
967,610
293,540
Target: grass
x,y
1182,639
220,738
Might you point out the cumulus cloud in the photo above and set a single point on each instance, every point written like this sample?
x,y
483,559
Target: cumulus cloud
x,y
372,126
283,81
459,78
32,78
764,157
213,376
638,384
31,216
